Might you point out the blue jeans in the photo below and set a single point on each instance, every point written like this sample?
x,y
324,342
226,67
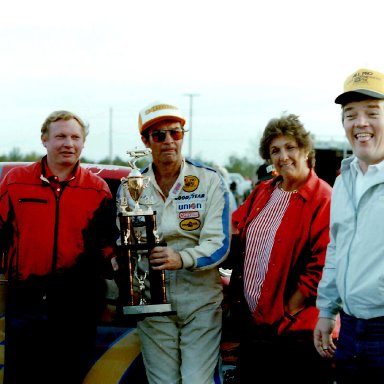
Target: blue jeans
x,y
359,356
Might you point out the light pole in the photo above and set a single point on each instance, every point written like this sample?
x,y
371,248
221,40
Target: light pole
x,y
191,96
110,135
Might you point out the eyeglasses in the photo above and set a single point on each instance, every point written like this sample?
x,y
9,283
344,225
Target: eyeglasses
x,y
160,135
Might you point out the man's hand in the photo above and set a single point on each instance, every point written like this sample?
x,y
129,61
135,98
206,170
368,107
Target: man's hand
x,y
114,263
162,258
323,337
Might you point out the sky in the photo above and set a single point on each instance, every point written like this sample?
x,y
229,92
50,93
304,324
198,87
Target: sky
x,y
230,66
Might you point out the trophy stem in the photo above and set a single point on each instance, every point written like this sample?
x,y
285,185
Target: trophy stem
x,y
130,275
163,287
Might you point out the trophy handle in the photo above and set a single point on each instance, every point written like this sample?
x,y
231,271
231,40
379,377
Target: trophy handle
x,y
146,181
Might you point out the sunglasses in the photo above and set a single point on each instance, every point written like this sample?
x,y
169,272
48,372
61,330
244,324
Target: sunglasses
x,y
160,135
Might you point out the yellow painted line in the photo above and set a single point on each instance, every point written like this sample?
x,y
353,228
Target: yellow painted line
x,y
111,366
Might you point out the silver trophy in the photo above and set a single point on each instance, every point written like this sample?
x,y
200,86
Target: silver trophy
x,y
142,290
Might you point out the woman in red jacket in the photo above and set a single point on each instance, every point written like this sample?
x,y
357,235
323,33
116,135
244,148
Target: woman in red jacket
x,y
283,229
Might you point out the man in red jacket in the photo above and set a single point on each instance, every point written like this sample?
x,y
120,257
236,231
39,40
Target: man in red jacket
x,y
57,229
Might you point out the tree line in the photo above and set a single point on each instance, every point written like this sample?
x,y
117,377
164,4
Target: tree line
x,y
236,164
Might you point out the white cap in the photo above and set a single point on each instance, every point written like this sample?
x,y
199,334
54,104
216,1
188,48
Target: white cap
x,y
158,111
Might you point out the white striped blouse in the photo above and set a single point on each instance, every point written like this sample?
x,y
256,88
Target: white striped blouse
x,y
259,242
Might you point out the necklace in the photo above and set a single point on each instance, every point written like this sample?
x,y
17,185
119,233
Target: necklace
x,y
282,189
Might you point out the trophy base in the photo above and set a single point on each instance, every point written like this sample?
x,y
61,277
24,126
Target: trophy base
x,y
139,212
149,310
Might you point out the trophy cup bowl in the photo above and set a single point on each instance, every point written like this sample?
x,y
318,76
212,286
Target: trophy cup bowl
x,y
135,188
136,183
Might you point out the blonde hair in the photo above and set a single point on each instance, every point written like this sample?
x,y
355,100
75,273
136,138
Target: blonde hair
x,y
63,115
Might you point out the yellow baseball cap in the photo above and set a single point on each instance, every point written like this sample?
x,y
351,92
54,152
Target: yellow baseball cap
x,y
158,111
362,84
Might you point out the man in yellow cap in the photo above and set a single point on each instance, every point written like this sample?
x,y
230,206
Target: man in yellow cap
x,y
352,285
192,206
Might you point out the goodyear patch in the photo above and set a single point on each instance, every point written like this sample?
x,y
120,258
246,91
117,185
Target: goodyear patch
x,y
189,215
190,183
191,196
190,224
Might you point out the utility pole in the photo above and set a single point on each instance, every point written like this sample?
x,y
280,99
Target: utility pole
x,y
191,96
110,135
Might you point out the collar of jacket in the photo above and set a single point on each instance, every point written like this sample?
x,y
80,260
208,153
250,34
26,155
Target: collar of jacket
x,y
306,191
43,171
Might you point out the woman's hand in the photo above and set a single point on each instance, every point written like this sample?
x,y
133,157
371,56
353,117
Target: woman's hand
x,y
295,304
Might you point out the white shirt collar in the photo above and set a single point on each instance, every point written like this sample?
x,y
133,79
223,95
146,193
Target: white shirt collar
x,y
372,168
364,181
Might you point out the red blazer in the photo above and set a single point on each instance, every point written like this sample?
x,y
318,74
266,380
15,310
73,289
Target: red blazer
x,y
298,254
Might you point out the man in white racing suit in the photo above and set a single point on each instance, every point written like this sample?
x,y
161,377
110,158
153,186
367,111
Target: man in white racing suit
x,y
191,202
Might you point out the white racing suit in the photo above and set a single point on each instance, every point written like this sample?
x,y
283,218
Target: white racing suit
x,y
193,220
